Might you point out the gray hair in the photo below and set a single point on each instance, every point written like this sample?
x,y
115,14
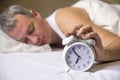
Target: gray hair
x,y
6,18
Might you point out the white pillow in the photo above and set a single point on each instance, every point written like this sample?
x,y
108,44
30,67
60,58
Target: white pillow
x,y
102,14
8,44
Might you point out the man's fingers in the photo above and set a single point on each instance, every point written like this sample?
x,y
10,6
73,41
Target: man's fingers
x,y
84,30
73,31
93,35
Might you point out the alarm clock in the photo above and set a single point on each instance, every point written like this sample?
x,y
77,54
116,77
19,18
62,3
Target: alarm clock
x,y
78,54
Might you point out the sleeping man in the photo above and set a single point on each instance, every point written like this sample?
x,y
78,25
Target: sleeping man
x,y
27,26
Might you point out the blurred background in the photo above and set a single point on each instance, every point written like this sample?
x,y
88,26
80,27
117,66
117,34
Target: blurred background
x,y
45,7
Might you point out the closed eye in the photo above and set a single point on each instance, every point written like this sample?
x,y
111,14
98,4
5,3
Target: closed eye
x,y
30,29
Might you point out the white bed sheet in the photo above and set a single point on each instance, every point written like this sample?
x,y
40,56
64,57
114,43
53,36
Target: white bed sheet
x,y
50,66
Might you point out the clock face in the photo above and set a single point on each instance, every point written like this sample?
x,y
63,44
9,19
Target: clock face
x,y
79,57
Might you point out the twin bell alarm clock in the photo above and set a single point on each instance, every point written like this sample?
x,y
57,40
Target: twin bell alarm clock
x,y
78,54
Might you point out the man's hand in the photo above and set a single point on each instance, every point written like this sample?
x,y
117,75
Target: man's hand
x,y
86,32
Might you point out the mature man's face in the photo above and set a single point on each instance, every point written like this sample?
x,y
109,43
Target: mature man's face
x,y
30,30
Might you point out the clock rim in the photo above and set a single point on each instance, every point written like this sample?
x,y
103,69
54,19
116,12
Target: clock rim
x,y
81,43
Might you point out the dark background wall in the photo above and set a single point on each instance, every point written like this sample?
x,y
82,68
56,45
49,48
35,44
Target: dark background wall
x,y
45,7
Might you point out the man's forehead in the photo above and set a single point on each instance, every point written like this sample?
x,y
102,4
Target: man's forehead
x,y
15,33
19,29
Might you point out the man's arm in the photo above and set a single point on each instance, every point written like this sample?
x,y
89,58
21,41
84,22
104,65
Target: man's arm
x,y
67,18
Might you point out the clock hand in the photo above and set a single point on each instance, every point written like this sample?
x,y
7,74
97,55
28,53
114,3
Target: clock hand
x,y
76,53
77,60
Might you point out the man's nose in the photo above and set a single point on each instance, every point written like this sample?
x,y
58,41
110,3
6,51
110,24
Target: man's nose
x,y
33,39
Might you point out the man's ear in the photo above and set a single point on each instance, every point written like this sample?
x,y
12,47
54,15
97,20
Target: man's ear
x,y
35,13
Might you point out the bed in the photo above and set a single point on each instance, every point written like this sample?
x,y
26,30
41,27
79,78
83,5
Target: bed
x,y
25,62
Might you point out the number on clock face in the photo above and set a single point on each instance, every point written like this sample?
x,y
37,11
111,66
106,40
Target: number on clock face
x,y
78,57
